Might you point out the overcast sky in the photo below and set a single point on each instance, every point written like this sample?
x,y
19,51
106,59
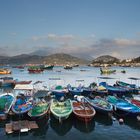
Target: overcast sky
x,y
79,27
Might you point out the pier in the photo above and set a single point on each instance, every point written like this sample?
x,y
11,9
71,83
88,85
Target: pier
x,y
20,126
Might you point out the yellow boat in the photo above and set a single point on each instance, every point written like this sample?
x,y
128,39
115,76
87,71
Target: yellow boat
x,y
106,70
5,71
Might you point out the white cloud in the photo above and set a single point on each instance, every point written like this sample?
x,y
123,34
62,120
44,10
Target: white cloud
x,y
61,38
126,42
38,38
115,54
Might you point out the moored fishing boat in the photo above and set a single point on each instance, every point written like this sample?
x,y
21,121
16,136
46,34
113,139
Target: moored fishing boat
x,y
106,70
21,105
5,71
68,67
83,111
6,101
47,67
39,109
40,104
114,89
23,102
59,91
100,105
35,69
131,87
7,82
61,110
125,107
75,91
136,102
22,82
123,71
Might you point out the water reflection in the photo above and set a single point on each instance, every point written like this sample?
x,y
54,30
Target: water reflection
x,y
103,119
43,127
62,128
133,123
85,127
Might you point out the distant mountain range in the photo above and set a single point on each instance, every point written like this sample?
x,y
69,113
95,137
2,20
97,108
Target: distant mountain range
x,y
58,59
105,59
137,60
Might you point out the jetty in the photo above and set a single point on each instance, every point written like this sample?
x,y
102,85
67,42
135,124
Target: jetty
x,y
20,126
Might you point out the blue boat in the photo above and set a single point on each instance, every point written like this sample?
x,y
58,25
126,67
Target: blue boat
x,y
125,107
114,89
100,105
21,105
59,92
131,87
75,90
87,91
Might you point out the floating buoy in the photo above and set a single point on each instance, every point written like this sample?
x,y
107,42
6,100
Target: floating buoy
x,y
121,121
138,118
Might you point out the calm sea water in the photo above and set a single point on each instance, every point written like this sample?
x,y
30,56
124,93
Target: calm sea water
x,y
101,127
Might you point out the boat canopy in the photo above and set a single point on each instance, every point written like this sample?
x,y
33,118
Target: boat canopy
x,y
23,87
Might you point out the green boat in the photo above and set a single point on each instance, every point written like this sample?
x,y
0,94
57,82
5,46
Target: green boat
x,y
106,70
41,104
39,110
61,110
6,101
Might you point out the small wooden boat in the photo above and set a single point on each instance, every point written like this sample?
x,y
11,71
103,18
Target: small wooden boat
x,y
131,87
136,97
114,89
19,67
7,82
39,109
59,91
87,91
48,67
61,110
35,69
22,82
123,84
83,111
101,90
68,67
106,70
5,71
76,91
41,104
21,105
127,108
135,102
123,71
6,101
100,105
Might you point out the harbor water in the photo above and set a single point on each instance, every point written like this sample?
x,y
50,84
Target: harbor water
x,y
101,127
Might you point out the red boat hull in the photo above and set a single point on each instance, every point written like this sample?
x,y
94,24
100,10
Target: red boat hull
x,y
136,102
35,71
